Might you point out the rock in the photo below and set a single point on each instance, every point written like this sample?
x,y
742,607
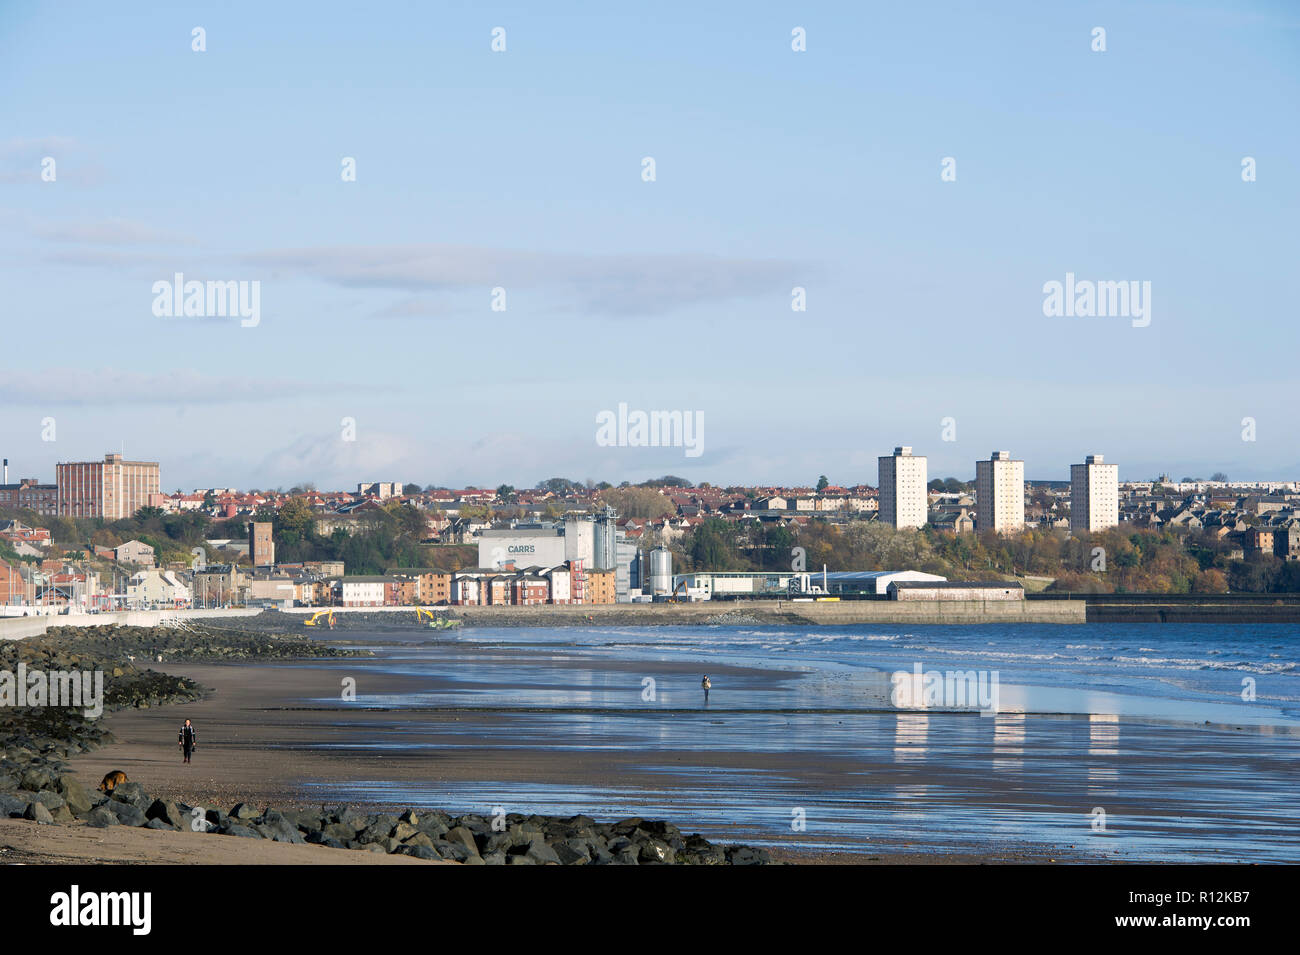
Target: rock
x,y
375,847
159,824
747,855
655,852
244,812
422,852
168,813
12,807
409,817
475,860
234,829
419,840
453,851
340,832
494,858
75,795
627,856
542,854
404,830
126,813
101,818
462,837
216,818
349,817
63,814
132,794
317,837
37,812
572,852
35,779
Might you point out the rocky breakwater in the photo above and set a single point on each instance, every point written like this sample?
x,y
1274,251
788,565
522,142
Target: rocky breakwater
x,y
47,797
199,644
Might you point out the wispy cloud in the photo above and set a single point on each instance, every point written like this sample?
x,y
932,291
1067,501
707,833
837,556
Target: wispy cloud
x,y
99,388
109,232
614,284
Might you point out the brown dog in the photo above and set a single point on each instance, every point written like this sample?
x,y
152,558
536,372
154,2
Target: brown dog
x,y
112,781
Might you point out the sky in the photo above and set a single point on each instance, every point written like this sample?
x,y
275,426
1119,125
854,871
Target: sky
x,y
377,353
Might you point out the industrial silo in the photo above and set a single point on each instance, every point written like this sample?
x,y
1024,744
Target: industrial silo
x,y
661,570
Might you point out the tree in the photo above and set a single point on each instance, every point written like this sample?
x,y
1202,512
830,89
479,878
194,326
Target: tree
x,y
822,483
638,502
505,491
1220,477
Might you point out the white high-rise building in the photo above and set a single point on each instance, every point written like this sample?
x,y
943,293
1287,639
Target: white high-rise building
x,y
903,499
1094,495
1000,494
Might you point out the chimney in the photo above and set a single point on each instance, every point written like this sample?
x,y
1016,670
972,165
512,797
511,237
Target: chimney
x,y
6,480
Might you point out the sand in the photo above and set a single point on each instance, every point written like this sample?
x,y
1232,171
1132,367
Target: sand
x,y
27,843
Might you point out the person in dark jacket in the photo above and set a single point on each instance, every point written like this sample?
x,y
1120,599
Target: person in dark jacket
x,y
187,740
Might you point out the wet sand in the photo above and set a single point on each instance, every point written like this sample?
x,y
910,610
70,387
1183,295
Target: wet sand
x,y
259,743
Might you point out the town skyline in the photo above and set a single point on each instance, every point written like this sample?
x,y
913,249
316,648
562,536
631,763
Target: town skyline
x,y
1165,475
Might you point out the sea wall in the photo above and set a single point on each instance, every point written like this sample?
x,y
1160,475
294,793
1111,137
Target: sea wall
x,y
771,612
16,628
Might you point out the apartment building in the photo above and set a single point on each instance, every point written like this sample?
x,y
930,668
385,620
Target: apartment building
x,y
903,500
1000,494
1094,495
112,489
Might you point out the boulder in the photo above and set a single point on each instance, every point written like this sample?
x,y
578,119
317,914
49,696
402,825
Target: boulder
x,y
319,838
126,813
243,812
542,854
168,813
12,807
418,840
452,851
38,813
132,794
101,818
463,837
655,852
747,855
235,829
36,778
75,795
340,832
572,852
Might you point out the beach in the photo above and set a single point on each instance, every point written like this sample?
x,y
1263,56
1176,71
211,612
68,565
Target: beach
x,y
799,753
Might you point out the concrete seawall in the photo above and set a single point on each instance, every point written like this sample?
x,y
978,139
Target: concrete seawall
x,y
16,628
831,613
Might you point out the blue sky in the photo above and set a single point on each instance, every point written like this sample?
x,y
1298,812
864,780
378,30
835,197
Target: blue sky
x,y
522,169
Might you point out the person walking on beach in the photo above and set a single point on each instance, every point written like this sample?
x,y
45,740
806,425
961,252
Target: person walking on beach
x,y
707,686
187,740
